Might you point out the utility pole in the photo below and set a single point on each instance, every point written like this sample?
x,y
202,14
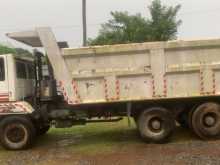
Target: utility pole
x,y
84,23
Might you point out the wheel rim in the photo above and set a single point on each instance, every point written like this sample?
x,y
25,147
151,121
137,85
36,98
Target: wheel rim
x,y
206,121
209,120
16,134
155,125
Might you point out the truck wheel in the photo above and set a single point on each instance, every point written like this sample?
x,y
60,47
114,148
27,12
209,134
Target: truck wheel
x,y
42,130
16,132
206,121
190,114
156,125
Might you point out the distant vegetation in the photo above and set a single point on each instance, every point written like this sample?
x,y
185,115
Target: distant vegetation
x,y
162,25
19,51
6,50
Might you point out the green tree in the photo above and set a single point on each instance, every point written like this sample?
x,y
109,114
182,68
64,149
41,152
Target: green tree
x,y
163,24
19,51
125,28
6,50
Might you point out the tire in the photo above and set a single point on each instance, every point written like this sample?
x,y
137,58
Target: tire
x,y
16,133
42,130
190,114
206,121
156,125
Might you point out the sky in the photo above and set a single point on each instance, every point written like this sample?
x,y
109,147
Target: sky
x,y
200,17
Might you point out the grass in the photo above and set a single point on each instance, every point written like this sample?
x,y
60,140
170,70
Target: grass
x,y
93,138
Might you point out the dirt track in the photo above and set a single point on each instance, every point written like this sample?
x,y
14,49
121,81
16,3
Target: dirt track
x,y
125,148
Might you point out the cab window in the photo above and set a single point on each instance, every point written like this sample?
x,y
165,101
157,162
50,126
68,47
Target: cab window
x,y
20,70
31,71
2,69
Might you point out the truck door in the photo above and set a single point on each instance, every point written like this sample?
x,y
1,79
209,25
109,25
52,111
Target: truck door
x,y
21,74
4,94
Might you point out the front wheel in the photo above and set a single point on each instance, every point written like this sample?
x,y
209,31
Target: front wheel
x,y
16,132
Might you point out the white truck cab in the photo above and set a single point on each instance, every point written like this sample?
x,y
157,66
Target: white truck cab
x,y
17,78
17,81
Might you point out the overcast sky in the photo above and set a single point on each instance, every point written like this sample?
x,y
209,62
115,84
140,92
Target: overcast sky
x,y
200,17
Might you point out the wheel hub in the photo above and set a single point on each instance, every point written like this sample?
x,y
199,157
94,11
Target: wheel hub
x,y
210,120
156,124
15,134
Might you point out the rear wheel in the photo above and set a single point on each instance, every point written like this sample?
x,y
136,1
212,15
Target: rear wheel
x,y
16,133
206,121
156,125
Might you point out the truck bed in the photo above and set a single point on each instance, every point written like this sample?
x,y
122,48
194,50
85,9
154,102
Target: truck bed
x,y
145,71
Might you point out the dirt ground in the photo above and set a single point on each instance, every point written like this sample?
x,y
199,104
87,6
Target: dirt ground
x,y
112,145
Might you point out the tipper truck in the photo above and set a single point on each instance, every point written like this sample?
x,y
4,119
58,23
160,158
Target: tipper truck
x,y
158,84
